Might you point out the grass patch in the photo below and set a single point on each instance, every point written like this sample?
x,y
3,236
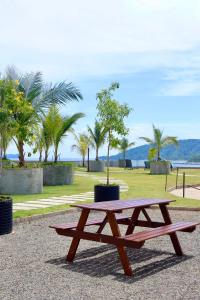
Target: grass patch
x,y
141,185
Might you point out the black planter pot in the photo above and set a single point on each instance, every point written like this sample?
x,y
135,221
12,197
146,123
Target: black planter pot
x,y
106,193
6,219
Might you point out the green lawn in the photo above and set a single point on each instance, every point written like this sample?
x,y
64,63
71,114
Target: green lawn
x,y
141,184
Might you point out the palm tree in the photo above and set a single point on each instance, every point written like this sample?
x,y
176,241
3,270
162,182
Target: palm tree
x,y
159,141
39,142
124,145
39,96
97,136
50,124
66,125
54,129
82,144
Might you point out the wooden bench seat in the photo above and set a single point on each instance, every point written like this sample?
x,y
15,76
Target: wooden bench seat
x,y
162,230
73,225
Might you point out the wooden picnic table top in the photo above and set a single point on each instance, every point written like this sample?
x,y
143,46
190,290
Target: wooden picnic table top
x,y
119,205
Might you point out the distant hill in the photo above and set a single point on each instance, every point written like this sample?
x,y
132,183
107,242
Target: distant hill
x,y
185,151
12,156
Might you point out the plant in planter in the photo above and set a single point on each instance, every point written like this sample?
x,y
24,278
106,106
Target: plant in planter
x,y
157,143
55,127
23,103
6,218
111,115
97,137
123,147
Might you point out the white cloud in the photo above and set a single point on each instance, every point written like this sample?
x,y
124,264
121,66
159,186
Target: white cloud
x,y
94,37
182,88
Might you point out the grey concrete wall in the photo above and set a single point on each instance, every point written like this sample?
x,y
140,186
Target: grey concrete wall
x,y
160,167
58,175
113,163
21,181
96,166
122,163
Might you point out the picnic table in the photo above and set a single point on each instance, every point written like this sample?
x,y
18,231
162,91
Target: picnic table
x,y
114,216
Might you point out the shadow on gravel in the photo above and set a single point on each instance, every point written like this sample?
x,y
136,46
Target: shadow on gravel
x,y
104,261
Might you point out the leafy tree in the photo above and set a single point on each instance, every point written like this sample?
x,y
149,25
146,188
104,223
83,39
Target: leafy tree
x,y
124,145
7,91
111,115
97,136
81,146
31,97
159,141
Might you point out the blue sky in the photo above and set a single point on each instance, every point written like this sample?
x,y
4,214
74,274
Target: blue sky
x,y
150,47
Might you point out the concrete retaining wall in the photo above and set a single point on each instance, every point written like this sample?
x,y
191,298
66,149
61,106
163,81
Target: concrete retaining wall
x,y
21,181
58,175
96,166
160,167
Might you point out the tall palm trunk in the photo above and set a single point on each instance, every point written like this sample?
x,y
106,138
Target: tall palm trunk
x,y
40,155
56,154
21,153
158,154
46,155
97,153
83,161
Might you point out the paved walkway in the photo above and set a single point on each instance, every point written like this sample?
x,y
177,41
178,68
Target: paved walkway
x,y
191,193
54,201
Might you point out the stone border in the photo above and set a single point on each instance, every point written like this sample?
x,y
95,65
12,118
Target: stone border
x,y
43,216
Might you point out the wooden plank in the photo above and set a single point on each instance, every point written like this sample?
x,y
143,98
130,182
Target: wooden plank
x,y
154,224
159,231
101,238
118,205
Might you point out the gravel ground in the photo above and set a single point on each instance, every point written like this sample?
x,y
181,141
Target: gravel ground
x,y
32,265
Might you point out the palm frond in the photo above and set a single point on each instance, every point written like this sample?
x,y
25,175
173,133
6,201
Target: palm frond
x,y
32,84
60,93
170,140
12,73
68,122
146,139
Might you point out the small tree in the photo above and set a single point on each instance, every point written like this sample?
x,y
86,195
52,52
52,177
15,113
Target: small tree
x,y
97,136
124,145
54,129
81,146
159,141
111,115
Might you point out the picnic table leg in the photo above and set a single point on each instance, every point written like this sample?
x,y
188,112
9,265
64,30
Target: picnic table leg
x,y
134,218
173,236
121,250
75,242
